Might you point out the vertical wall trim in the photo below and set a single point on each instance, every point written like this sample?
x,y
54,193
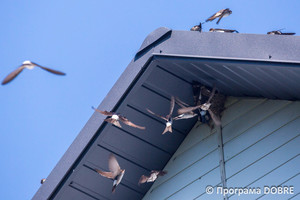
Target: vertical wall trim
x,y
221,159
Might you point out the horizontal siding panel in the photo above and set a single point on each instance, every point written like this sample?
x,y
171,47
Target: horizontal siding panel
x,y
261,130
295,181
262,148
230,100
250,119
265,165
275,177
214,195
199,133
186,177
197,187
240,108
188,158
279,175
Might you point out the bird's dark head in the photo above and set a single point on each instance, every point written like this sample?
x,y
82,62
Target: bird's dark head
x,y
274,33
228,10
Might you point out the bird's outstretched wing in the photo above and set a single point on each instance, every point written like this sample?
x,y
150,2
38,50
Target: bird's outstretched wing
x,y
13,75
156,115
288,33
105,174
103,112
159,172
49,70
221,16
172,104
215,118
230,31
222,30
113,165
188,109
143,179
129,123
212,94
162,173
214,16
181,103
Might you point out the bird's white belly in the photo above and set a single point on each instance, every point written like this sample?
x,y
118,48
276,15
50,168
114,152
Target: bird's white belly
x,y
152,178
29,66
116,117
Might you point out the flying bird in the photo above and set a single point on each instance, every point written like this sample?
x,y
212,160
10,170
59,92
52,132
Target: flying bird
x,y
204,107
197,100
153,176
43,180
197,27
29,65
222,30
222,13
115,172
114,119
187,115
278,32
168,118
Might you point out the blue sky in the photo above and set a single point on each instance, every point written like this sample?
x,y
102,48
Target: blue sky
x,y
92,41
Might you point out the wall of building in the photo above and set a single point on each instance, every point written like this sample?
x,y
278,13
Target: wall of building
x,y
261,148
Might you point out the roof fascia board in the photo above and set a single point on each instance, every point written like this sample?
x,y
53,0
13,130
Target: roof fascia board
x,y
225,58
271,48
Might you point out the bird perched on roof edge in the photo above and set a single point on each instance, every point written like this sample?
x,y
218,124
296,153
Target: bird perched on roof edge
x,y
197,27
43,180
278,32
222,30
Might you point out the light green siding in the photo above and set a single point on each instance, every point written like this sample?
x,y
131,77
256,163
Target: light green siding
x,y
261,148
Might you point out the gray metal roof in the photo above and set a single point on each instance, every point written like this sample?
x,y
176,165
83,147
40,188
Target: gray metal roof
x,y
165,65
